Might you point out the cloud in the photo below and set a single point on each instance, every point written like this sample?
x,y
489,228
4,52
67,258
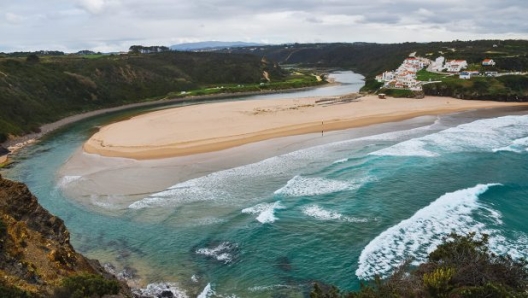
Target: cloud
x,y
14,18
166,22
97,7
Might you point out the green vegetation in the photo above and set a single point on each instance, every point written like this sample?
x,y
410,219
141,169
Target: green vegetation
x,y
503,88
370,59
40,89
87,285
462,266
398,93
9,291
424,75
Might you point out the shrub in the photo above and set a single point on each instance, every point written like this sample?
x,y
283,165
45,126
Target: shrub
x,y
87,285
7,291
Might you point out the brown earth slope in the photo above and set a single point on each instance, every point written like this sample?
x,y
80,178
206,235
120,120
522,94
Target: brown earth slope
x,y
35,250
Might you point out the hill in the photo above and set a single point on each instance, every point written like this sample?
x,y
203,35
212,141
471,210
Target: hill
x,y
369,59
40,89
210,45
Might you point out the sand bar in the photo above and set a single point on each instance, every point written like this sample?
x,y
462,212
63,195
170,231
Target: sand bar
x,y
216,126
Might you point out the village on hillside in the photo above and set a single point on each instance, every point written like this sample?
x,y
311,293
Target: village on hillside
x,y
405,76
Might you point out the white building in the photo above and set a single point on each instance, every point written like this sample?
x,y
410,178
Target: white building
x,y
438,64
456,65
488,62
385,76
464,75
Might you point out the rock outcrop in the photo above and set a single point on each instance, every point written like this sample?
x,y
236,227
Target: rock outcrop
x,y
35,250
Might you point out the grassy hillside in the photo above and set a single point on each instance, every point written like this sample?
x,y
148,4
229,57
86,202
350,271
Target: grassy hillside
x,y
37,90
503,88
370,59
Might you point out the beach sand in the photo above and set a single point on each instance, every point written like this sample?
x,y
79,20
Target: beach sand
x,y
216,126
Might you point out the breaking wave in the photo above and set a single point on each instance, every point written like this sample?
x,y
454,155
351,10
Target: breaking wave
x,y
265,211
506,133
319,213
313,186
418,235
222,252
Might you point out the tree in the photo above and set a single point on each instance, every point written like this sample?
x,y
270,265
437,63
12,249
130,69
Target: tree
x,y
33,59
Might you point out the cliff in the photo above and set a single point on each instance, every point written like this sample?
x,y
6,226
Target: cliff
x,y
36,257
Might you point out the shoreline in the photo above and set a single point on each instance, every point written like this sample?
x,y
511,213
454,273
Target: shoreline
x,y
17,143
217,126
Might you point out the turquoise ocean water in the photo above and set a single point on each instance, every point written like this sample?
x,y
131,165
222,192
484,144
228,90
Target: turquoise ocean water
x,y
336,213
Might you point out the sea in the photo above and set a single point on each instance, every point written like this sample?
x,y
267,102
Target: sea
x,y
340,210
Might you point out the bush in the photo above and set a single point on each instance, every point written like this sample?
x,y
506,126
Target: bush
x,y
7,291
87,285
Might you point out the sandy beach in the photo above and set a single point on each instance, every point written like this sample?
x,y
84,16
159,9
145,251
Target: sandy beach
x,y
216,126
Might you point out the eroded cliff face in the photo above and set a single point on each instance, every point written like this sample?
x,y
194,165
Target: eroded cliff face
x,y
35,250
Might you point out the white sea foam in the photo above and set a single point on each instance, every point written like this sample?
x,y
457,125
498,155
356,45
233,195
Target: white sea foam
x,y
207,292
156,289
418,235
64,181
517,146
265,211
206,221
319,213
397,135
221,252
312,186
340,161
413,147
481,135
189,191
267,288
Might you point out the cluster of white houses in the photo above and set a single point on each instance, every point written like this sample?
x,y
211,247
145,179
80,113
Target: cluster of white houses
x,y
404,77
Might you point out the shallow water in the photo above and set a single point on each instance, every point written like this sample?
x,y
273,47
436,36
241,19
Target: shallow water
x,y
336,210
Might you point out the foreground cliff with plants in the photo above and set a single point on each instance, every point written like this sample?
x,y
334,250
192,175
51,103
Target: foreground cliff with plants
x,y
36,257
462,266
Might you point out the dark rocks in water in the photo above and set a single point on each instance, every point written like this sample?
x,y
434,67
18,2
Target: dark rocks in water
x,y
166,294
3,151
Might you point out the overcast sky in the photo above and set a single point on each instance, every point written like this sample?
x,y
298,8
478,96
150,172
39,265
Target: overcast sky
x,y
115,25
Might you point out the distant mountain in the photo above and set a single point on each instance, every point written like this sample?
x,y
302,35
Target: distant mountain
x,y
211,45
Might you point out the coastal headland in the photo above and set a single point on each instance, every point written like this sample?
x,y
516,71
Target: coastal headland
x,y
216,126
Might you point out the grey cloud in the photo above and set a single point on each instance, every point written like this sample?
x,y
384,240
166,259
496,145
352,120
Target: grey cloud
x,y
380,19
113,23
313,20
